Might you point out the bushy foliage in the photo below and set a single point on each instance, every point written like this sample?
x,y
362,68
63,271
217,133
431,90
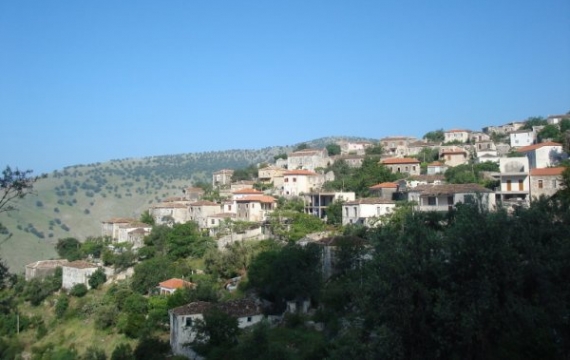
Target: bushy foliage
x,y
69,248
78,290
97,279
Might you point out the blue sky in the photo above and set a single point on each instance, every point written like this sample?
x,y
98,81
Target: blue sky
x,y
89,81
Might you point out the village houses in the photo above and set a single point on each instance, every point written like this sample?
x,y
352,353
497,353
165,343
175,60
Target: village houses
x,y
410,166
543,155
77,272
308,159
456,135
396,146
545,181
366,211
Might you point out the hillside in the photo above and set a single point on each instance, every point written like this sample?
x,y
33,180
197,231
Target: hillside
x,y
74,201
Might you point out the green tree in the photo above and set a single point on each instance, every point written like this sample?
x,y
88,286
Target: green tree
x,y
61,305
534,121
78,290
69,248
301,146
147,218
435,136
97,279
123,352
215,330
333,149
549,132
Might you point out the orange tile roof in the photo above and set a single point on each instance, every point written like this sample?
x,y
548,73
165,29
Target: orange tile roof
x,y
80,264
175,283
393,161
436,163
385,185
553,171
538,146
247,191
263,199
300,172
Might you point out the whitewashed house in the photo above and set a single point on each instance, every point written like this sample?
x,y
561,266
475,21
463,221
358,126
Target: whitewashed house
x,y
544,154
77,272
366,211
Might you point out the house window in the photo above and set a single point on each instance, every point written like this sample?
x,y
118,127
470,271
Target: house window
x,y
508,185
540,184
521,186
346,211
213,221
431,201
450,200
413,168
399,170
355,211
286,179
188,321
229,208
249,319
378,210
554,185
294,179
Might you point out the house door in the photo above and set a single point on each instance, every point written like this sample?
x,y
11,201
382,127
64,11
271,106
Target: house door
x,y
509,188
521,187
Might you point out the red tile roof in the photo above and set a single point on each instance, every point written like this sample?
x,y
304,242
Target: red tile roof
x,y
553,171
384,185
394,161
538,146
263,199
175,283
300,172
436,163
247,191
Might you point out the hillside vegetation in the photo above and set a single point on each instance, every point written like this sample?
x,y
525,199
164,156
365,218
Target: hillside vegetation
x,y
72,202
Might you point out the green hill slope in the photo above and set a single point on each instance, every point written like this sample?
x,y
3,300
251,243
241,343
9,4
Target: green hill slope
x,y
74,201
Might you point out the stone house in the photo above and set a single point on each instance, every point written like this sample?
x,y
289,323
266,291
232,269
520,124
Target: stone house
x,y
396,146
193,194
183,320
271,175
385,190
170,212
402,165
366,211
544,154
556,119
354,147
522,138
515,181
454,157
222,178
308,159
110,228
246,193
201,210
216,222
416,147
169,286
241,185
436,167
545,181
298,182
353,161
445,197
77,272
43,268
254,208
133,233
477,136
316,203
459,135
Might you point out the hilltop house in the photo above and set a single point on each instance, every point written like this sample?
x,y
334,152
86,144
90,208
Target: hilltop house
x,y
396,146
308,159
222,178
354,147
366,211
454,157
459,135
522,138
201,210
298,182
316,203
545,181
402,165
254,208
445,197
385,190
133,233
183,320
436,167
77,272
169,286
43,268
193,194
169,212
543,155
271,175
515,181
110,227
